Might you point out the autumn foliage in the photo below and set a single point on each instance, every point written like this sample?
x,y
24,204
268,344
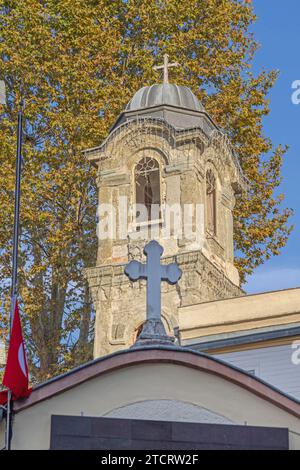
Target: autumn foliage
x,y
78,63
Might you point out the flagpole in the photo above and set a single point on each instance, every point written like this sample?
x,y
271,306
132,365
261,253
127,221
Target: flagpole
x,y
14,286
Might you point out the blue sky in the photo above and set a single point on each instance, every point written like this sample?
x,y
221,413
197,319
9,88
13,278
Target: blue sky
x,y
278,32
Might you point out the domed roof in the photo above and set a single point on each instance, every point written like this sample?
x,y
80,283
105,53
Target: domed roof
x,y
165,93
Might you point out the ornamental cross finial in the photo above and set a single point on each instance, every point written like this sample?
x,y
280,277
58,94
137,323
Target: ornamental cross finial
x,y
166,67
154,273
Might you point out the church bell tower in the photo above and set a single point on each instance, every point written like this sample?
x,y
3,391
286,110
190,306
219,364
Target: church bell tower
x,y
165,172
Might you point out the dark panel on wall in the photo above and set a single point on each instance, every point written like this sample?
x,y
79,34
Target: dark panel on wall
x,y
81,432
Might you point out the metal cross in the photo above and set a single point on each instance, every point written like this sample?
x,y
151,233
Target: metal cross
x,y
154,273
166,67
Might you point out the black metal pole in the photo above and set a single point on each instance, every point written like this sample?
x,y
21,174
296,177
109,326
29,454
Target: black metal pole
x,y
14,286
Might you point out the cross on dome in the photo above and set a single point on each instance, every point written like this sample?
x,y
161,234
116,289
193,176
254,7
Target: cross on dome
x,y
165,67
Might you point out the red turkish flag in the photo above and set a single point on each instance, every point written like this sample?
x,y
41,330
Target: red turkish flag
x,y
16,370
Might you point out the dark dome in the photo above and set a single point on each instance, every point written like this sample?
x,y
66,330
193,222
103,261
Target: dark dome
x,y
166,93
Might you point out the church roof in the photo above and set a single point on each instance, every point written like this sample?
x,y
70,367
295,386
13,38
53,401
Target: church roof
x,y
164,94
160,354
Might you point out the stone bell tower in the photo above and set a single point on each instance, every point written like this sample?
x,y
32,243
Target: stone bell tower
x,y
163,151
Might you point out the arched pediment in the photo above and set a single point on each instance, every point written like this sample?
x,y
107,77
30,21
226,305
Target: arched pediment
x,y
168,410
157,133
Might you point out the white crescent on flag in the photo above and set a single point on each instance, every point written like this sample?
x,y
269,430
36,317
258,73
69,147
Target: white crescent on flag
x,y
21,359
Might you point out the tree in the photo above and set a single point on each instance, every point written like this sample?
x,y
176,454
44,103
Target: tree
x,y
78,62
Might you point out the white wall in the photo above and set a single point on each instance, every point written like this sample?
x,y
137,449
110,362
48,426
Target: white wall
x,y
273,364
109,392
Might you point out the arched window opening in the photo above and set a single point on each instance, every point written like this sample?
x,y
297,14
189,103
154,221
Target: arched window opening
x,y
147,188
211,216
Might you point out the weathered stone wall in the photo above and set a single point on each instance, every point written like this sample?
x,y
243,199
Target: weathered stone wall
x,y
208,267
121,304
